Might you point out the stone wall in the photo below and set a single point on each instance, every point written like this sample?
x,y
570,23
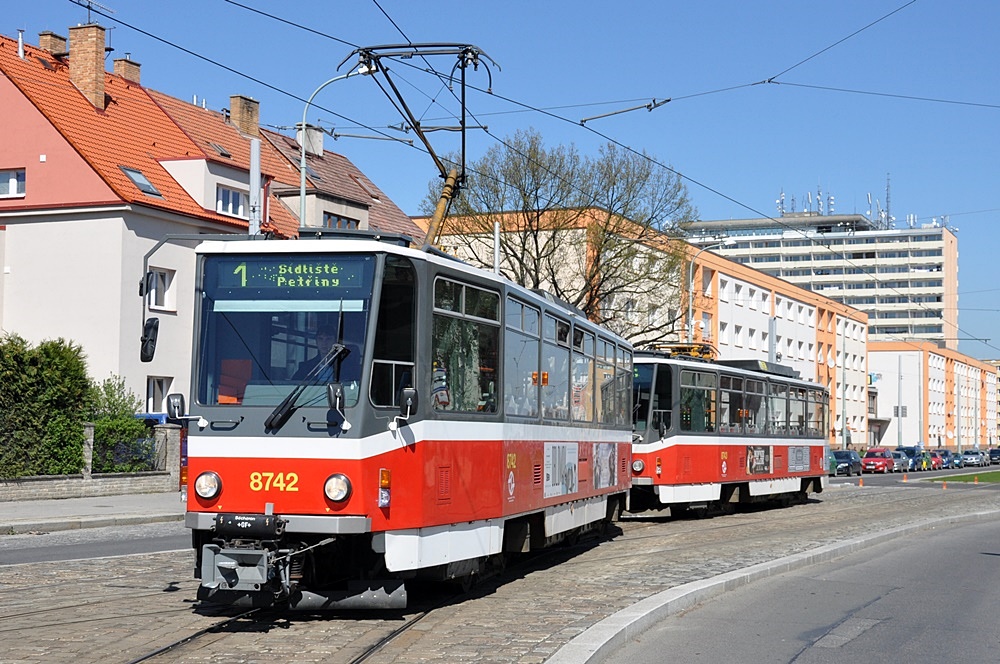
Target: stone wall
x,y
166,477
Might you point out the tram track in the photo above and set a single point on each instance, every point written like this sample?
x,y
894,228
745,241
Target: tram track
x,y
521,613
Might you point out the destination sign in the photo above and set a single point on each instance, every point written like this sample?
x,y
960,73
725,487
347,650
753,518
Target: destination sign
x,y
290,273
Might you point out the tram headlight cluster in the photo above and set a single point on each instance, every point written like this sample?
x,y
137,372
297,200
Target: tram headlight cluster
x,y
638,466
384,487
337,487
208,485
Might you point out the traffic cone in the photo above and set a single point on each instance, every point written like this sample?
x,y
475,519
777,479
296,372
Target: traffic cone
x,y
944,485
904,477
861,481
976,480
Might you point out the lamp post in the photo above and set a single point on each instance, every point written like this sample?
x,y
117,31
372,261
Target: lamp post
x,y
690,318
362,69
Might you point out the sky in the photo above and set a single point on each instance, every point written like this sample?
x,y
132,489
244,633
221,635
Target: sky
x,y
896,100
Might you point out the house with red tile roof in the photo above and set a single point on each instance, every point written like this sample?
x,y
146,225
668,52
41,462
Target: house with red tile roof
x,y
96,170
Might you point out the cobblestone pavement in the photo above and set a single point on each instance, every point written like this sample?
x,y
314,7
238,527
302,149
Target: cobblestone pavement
x,y
118,609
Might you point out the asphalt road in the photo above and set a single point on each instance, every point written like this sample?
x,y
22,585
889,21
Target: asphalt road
x,y
923,599
94,543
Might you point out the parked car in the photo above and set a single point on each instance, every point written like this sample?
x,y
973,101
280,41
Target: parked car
x,y
937,461
911,453
972,457
957,461
901,461
994,455
848,462
924,460
946,458
878,460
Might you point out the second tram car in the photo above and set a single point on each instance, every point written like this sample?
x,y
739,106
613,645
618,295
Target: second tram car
x,y
363,413
711,434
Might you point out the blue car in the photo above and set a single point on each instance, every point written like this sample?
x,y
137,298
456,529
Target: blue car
x,y
947,458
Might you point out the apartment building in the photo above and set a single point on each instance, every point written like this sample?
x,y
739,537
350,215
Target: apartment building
x,y
934,397
905,279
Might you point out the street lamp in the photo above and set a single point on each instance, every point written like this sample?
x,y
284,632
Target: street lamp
x,y
690,318
363,68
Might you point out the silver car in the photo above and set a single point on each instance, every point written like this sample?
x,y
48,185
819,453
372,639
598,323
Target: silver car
x,y
901,462
972,457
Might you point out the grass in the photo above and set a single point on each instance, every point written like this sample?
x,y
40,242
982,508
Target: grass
x,y
991,476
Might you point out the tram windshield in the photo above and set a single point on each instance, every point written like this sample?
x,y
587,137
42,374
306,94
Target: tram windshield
x,y
268,320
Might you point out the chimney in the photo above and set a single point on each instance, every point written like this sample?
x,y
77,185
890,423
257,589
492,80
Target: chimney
x,y
127,69
86,62
51,42
313,139
245,114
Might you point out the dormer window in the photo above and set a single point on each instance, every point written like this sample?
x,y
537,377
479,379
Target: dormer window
x,y
12,183
232,202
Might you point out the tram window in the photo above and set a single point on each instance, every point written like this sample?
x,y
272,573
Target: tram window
x,y
555,382
817,412
255,338
520,376
605,382
777,409
482,304
698,405
623,399
583,377
555,330
755,405
732,412
393,357
465,351
797,406
448,295
642,397
663,398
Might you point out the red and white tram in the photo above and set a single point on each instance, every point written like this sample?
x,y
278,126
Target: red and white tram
x,y
363,413
711,434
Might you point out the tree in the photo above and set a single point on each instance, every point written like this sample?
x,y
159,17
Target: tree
x,y
599,233
44,396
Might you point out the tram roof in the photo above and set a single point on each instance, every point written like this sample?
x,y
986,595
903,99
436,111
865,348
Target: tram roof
x,y
743,366
315,241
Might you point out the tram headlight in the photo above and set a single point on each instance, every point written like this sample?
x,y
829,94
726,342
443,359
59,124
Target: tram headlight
x,y
638,466
337,487
208,485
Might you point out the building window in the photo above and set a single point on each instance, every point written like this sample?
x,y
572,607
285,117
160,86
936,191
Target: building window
x,y
231,202
333,220
141,182
161,292
157,389
12,183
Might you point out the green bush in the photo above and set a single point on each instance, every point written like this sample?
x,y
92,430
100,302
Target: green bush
x,y
44,397
121,442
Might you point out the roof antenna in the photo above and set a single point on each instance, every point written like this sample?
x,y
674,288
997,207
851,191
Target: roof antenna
x,y
90,4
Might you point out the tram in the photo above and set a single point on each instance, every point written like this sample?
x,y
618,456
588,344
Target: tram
x,y
364,413
711,434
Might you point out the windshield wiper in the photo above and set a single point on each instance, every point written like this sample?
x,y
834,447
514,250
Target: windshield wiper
x,y
284,410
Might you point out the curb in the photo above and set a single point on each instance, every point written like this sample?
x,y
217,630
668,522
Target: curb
x,y
79,523
612,633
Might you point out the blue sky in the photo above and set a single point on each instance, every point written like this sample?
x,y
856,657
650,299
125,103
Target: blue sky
x,y
867,92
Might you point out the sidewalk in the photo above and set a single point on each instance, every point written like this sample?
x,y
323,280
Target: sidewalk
x,y
29,516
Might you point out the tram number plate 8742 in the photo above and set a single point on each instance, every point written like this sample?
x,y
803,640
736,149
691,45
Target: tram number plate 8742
x,y
265,481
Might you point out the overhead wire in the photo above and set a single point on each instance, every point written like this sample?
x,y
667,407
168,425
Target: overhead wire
x,y
865,271
548,113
